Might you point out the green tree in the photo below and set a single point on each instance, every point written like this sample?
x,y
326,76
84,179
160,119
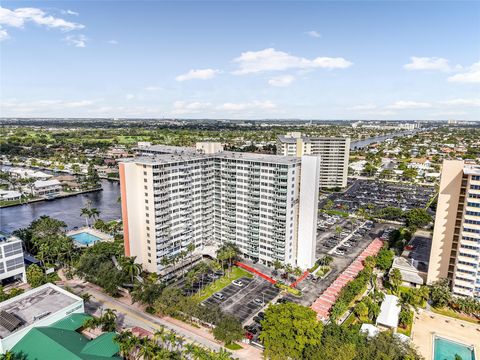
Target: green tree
x,y
228,330
288,329
35,276
440,293
384,258
416,218
361,310
395,280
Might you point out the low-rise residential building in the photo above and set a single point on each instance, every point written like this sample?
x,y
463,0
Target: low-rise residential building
x,y
11,258
62,340
42,306
46,187
389,313
10,195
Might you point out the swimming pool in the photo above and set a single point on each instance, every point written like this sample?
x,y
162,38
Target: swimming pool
x,y
85,238
445,349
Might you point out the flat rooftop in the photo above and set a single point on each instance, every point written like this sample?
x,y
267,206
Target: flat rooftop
x,y
166,149
228,155
42,301
471,170
293,140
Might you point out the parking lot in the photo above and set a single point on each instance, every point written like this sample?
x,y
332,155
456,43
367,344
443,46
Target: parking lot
x,y
244,302
312,289
382,194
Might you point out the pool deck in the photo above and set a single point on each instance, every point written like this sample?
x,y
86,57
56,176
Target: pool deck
x,y
427,324
100,234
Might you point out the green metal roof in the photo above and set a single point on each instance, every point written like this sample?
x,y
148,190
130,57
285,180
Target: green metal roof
x,y
103,345
71,322
53,343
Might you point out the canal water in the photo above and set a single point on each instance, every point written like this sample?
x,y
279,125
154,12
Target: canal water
x,y
360,144
65,209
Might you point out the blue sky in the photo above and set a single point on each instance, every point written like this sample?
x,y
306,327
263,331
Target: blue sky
x,y
226,59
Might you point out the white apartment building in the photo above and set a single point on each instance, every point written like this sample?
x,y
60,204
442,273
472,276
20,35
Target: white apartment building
x,y
333,152
455,253
11,258
265,204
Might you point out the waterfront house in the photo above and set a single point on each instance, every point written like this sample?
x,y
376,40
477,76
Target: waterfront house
x,y
46,187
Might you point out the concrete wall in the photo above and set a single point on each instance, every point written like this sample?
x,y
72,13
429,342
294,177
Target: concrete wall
x,y
449,192
308,212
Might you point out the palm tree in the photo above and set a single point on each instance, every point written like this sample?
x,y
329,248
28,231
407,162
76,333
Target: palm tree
x,y
395,279
108,320
125,342
10,355
94,213
85,212
131,268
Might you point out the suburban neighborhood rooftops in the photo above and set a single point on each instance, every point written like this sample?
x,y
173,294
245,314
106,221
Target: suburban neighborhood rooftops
x,y
389,312
34,305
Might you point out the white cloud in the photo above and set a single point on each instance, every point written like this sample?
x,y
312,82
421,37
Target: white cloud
x,y
130,96
282,81
199,74
3,34
472,75
427,63
113,42
70,12
313,34
79,40
264,105
18,18
403,105
462,102
194,107
272,60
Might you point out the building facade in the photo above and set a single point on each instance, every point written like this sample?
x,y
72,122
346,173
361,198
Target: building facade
x,y
455,253
11,258
333,152
170,201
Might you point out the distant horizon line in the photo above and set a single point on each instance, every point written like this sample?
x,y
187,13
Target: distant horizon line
x,y
227,119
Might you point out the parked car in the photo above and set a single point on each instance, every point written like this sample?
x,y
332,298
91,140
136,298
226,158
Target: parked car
x,y
219,296
258,301
238,283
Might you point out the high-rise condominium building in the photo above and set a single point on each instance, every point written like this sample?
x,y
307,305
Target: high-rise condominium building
x,y
265,204
333,152
455,253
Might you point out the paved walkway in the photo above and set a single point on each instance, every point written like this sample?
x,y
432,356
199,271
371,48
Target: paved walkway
x,y
325,302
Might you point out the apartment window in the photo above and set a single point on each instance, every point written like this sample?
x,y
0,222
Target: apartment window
x,y
145,173
15,263
476,177
146,188
12,249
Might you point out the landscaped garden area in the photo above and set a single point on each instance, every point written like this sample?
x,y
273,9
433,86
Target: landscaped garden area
x,y
233,274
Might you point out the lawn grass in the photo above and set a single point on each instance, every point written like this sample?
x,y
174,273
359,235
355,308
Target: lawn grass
x,y
454,314
219,284
407,331
336,212
233,346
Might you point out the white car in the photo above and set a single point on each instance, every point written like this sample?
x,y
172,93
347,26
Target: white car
x,y
339,252
238,283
